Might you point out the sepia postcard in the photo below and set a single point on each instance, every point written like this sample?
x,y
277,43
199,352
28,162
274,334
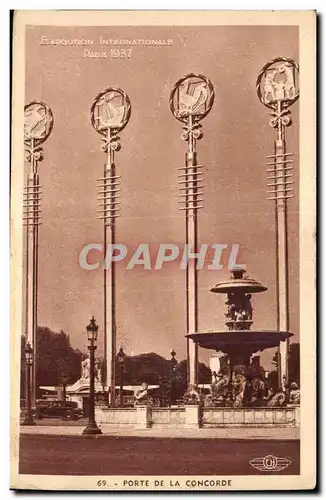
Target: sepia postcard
x,y
163,222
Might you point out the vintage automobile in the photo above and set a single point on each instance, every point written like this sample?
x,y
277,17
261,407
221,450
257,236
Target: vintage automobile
x,y
67,410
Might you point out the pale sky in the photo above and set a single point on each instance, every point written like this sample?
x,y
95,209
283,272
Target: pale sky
x,y
237,139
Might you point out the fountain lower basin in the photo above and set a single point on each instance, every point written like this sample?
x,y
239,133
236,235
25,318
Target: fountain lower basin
x,y
226,340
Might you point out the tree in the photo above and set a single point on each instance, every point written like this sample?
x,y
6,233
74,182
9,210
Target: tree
x,y
56,360
156,370
204,372
272,379
148,368
57,363
294,364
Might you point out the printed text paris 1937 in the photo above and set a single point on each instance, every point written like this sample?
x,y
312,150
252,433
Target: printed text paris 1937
x,y
120,48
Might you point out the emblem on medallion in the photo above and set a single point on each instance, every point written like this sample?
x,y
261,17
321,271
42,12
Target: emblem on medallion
x,y
38,122
192,96
110,110
278,82
270,463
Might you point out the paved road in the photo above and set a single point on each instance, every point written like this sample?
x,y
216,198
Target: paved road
x,y
60,428
128,455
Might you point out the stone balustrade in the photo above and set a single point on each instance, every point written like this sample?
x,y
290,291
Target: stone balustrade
x,y
116,417
195,416
250,417
168,417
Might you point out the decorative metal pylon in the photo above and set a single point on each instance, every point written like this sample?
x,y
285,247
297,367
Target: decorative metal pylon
x,y
110,113
191,100
277,88
38,124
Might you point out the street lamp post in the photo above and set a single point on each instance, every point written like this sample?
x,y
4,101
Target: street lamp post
x,y
92,330
173,362
29,363
121,359
64,386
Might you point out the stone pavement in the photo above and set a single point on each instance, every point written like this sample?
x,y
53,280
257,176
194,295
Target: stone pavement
x,y
216,433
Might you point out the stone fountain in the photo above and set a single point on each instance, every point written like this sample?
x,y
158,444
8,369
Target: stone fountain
x,y
243,384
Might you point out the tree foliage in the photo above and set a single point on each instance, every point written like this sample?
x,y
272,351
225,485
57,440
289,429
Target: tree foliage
x,y
156,370
149,367
56,361
204,372
294,365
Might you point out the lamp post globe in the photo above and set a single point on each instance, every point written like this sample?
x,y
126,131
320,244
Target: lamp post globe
x,y
92,330
29,354
121,356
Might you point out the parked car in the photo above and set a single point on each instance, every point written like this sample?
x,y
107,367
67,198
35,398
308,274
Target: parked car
x,y
67,410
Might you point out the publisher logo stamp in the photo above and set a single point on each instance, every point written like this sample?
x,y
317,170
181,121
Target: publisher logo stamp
x,y
270,463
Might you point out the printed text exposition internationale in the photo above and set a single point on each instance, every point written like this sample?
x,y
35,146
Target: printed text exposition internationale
x,y
63,42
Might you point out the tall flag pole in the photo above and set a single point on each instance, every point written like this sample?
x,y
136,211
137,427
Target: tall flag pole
x,y
191,100
38,124
110,113
278,88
